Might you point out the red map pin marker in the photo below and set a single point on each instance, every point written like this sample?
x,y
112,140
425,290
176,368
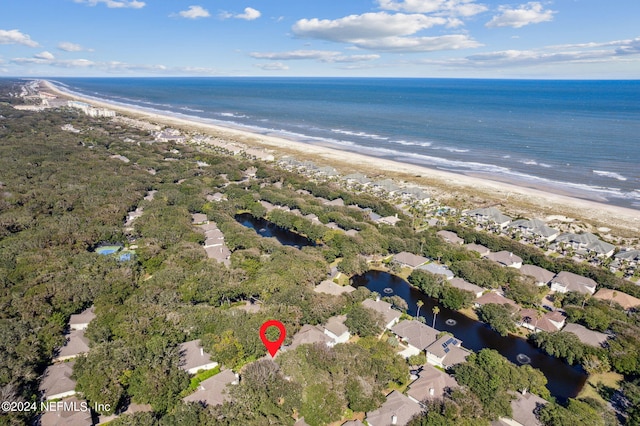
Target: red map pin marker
x,y
272,347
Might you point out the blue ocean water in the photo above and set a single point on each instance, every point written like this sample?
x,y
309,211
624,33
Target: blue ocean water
x,y
580,137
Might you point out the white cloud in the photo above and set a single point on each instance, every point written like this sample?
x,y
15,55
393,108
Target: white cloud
x,y
115,4
465,8
607,52
384,31
45,55
273,66
525,14
421,44
249,14
16,37
319,55
72,47
113,67
194,12
366,26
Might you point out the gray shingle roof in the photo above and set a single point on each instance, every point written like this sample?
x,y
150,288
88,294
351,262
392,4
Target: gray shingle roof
x,y
416,333
397,405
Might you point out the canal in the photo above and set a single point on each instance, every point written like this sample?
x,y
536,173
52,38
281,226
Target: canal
x,y
564,381
265,228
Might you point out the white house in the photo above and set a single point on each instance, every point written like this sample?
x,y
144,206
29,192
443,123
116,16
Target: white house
x,y
336,330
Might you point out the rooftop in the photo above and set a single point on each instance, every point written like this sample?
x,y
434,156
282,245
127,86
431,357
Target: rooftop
x,y
212,391
623,299
410,259
541,275
586,336
416,333
431,383
57,380
398,407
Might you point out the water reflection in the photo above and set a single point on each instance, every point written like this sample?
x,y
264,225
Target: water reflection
x,y
564,381
265,228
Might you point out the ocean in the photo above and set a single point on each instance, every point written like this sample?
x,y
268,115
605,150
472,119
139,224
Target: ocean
x,y
575,137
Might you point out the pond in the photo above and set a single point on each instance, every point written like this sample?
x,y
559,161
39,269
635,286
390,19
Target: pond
x,y
265,228
564,381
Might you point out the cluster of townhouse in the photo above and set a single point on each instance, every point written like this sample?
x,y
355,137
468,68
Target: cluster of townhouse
x,y
338,202
532,319
582,246
214,244
91,111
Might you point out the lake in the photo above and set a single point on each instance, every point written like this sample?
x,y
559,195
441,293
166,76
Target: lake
x,y
265,228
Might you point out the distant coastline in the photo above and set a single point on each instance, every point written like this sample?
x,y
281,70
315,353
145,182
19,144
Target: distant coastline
x,y
467,190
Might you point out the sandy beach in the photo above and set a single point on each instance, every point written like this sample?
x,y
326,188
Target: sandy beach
x,y
457,190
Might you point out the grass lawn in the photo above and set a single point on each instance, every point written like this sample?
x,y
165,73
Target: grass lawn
x,y
609,380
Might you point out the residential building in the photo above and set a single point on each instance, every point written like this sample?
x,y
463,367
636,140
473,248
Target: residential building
x,y
76,344
193,358
409,260
480,249
57,382
396,410
632,257
626,301
450,237
416,335
537,321
329,287
336,330
585,243
541,276
386,185
431,384
586,336
390,315
308,335
488,216
68,412
389,220
534,229
523,410
446,352
358,178
506,258
493,297
212,391
568,281
461,284
81,321
436,269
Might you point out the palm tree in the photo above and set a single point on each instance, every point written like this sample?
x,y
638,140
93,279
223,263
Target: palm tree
x,y
419,303
436,311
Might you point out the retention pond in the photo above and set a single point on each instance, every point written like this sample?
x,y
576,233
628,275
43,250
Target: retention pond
x,y
265,228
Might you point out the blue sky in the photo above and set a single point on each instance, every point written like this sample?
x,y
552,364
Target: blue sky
x,y
394,38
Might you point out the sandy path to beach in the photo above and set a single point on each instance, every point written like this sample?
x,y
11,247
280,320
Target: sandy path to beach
x,y
454,189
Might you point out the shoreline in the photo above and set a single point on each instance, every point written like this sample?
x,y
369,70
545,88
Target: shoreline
x,y
455,189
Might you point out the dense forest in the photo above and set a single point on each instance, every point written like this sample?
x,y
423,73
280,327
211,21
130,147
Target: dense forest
x,y
62,194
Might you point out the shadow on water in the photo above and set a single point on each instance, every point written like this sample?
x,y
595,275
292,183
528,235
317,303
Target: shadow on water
x,y
264,228
564,381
